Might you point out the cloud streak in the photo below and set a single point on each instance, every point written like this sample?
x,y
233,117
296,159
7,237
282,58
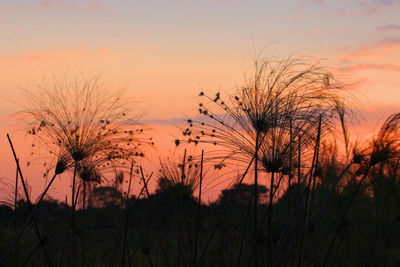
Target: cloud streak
x,y
379,49
62,4
390,27
362,67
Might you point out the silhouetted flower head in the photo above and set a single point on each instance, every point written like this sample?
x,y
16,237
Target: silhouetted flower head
x,y
92,127
280,103
180,170
63,163
386,145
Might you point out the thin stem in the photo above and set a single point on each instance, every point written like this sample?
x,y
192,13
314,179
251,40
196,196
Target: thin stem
x,y
125,234
314,175
256,197
220,221
34,223
269,226
74,199
299,165
84,196
324,205
285,229
15,196
183,168
35,208
198,210
309,183
290,166
344,215
244,229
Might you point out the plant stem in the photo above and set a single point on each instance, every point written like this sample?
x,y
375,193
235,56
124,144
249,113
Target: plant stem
x,y
256,197
73,200
35,208
198,210
34,223
220,221
15,196
269,226
344,215
307,200
125,234
244,229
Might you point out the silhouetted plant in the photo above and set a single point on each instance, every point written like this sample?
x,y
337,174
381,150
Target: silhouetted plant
x,y
282,95
7,194
281,103
94,128
383,149
183,170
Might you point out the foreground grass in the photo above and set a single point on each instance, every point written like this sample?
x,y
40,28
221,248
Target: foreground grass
x,y
160,231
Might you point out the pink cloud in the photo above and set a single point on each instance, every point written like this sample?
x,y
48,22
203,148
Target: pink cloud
x,y
390,27
58,3
68,4
372,69
57,56
380,49
94,5
379,67
375,6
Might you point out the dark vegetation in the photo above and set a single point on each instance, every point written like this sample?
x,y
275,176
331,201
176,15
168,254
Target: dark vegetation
x,y
316,197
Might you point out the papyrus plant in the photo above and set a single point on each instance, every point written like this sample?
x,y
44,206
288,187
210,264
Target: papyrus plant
x,y
96,129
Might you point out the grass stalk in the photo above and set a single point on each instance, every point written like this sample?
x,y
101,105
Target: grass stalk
x,y
244,229
256,196
315,167
16,196
28,220
34,223
299,165
220,221
269,223
331,190
286,227
198,210
344,215
290,163
125,233
307,198
73,206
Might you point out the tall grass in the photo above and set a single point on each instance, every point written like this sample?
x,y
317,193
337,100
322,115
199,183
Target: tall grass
x,y
96,129
280,103
86,129
283,125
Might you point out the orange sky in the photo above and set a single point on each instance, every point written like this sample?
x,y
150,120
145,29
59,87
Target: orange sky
x,y
165,52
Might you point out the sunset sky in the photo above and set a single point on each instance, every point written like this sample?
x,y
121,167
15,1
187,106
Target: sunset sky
x,y
165,52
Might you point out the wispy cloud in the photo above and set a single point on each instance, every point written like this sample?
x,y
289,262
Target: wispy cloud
x,y
53,55
378,49
374,7
390,27
373,69
58,3
373,117
378,67
62,4
384,2
172,121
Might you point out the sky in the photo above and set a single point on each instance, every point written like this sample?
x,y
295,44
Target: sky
x,y
165,52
